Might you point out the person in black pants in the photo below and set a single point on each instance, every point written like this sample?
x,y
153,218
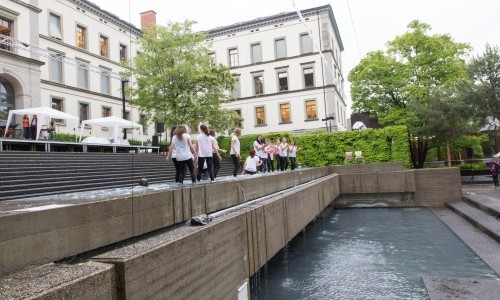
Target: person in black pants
x,y
216,156
184,152
235,150
205,148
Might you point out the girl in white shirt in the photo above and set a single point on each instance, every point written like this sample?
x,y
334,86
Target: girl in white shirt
x,y
284,154
184,152
205,148
293,154
235,150
216,156
252,163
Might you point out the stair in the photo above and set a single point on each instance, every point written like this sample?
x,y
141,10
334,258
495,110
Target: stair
x,y
481,211
29,174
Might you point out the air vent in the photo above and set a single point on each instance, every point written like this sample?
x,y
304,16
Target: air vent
x,y
256,29
83,11
77,8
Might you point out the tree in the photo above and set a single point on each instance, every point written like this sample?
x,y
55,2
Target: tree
x,y
485,72
178,82
389,84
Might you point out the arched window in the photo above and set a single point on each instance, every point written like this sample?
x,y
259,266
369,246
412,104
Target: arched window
x,y
7,98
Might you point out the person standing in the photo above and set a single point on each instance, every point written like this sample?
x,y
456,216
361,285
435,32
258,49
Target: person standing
x,y
293,154
173,132
277,152
257,147
216,155
284,154
33,126
205,148
184,152
495,170
235,150
251,163
269,150
26,127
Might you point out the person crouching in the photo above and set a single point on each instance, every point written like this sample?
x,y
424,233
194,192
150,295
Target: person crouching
x,y
251,163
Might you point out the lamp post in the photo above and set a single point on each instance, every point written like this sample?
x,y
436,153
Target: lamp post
x,y
123,106
330,117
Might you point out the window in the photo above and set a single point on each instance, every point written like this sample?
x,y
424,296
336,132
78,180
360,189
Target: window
x,y
285,113
105,81
212,57
308,77
82,75
280,48
123,52
258,84
306,45
106,112
142,121
260,115
5,29
283,81
256,51
81,37
240,123
57,104
233,57
103,46
311,110
236,92
55,26
56,67
127,115
84,111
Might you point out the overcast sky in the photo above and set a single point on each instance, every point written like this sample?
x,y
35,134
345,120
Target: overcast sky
x,y
375,22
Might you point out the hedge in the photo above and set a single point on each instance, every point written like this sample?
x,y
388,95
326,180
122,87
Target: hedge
x,y
389,144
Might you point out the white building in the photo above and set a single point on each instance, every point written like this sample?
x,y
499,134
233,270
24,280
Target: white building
x,y
76,32
284,83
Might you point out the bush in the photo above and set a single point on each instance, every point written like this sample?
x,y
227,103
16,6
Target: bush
x,y
389,144
66,137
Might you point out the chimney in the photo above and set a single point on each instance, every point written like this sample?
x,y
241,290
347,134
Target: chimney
x,y
148,18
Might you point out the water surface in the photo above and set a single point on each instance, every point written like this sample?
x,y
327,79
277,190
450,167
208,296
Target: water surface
x,y
375,253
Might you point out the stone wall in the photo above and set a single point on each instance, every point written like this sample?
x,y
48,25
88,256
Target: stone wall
x,y
33,237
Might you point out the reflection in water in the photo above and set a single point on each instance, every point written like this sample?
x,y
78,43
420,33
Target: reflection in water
x,y
378,253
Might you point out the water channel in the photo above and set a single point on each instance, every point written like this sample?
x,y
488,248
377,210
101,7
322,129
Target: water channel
x,y
367,253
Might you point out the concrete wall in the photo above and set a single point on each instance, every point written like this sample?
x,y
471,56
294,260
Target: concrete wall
x,y
367,168
435,187
42,236
212,261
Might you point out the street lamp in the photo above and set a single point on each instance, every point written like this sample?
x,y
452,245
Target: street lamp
x,y
330,117
123,106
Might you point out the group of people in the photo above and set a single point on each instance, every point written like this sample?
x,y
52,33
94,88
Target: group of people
x,y
203,155
30,127
184,154
264,153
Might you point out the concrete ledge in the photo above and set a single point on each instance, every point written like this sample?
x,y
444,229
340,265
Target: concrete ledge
x,y
367,168
462,288
483,221
88,280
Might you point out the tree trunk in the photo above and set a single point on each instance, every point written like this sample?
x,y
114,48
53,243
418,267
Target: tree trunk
x,y
448,151
418,151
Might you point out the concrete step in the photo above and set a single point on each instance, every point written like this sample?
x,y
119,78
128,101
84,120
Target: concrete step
x,y
485,203
483,221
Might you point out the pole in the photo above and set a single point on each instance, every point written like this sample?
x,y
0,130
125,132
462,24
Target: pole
x,y
123,107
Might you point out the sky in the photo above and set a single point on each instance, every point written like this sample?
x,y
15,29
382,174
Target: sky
x,y
364,25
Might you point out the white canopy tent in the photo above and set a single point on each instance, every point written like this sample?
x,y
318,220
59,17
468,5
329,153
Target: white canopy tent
x,y
359,126
114,124
44,114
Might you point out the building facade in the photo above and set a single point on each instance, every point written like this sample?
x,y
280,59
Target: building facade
x,y
288,71
86,49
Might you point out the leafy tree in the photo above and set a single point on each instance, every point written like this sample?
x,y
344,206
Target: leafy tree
x,y
485,72
177,81
389,84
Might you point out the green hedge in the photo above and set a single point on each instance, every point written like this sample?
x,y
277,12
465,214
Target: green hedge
x,y
389,144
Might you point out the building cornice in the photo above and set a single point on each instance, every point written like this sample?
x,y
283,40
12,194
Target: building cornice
x,y
33,8
106,15
79,90
279,18
21,58
290,92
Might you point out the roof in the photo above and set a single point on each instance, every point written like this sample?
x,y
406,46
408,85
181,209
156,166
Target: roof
x,y
278,18
108,16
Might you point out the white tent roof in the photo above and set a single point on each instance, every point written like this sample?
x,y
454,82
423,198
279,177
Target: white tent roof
x,y
359,126
44,114
113,123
